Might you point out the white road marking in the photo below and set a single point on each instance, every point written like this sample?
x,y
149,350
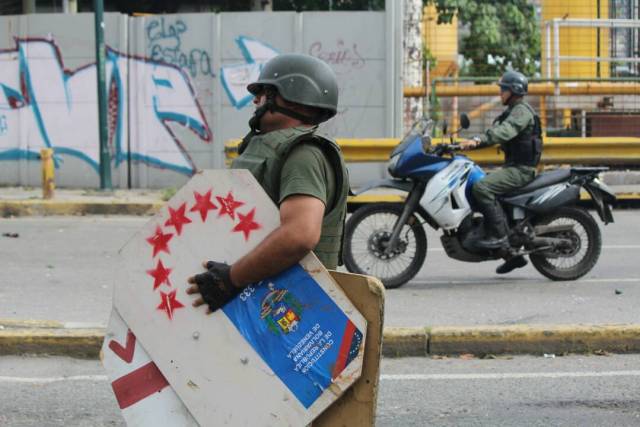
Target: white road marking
x,y
46,380
438,249
384,377
494,281
501,376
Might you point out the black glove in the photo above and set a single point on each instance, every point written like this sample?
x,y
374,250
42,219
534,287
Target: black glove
x,y
215,285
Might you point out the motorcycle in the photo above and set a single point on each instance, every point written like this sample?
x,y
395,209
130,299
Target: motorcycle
x,y
388,240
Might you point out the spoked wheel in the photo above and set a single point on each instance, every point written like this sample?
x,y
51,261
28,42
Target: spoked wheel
x,y
367,234
577,258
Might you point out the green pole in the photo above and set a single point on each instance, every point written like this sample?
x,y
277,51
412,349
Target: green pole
x,y
105,158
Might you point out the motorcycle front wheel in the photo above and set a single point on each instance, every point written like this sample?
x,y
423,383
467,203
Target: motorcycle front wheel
x,y
367,233
575,260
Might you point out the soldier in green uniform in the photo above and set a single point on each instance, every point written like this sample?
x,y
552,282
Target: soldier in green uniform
x,y
302,172
517,130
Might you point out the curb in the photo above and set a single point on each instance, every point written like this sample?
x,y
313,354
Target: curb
x,y
38,207
76,340
80,343
72,207
513,339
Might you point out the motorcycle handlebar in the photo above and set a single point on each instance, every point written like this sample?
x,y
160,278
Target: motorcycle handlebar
x,y
441,149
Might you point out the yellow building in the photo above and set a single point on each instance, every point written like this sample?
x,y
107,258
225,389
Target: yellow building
x,y
442,42
591,42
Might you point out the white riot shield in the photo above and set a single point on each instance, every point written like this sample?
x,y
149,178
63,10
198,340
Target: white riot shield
x,y
278,354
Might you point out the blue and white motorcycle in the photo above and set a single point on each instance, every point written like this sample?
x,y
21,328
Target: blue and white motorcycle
x,y
387,240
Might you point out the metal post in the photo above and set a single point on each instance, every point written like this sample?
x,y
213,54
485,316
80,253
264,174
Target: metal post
x,y
433,99
393,35
28,6
556,47
543,115
48,173
105,160
556,52
548,42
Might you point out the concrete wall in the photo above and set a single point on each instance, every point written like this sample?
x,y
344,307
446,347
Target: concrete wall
x,y
176,88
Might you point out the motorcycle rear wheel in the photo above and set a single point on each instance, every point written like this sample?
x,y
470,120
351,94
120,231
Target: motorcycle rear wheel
x,y
366,233
571,263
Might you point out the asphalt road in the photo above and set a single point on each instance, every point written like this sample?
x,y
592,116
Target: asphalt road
x,y
60,268
522,391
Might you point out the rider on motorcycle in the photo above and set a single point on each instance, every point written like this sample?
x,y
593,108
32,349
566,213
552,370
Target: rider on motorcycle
x,y
517,130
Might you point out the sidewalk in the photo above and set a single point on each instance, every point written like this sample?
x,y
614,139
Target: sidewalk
x,y
84,340
21,201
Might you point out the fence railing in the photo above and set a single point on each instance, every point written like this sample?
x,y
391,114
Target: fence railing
x,y
605,151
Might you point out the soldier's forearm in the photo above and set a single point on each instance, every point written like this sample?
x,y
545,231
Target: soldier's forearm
x,y
277,252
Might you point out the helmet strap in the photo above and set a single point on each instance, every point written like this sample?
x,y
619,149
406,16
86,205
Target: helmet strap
x,y
294,114
271,106
254,121
510,97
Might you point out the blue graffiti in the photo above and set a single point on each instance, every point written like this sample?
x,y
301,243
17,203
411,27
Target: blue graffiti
x,y
57,108
165,45
236,77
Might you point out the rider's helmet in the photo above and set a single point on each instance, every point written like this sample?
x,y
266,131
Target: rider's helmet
x,y
302,79
515,82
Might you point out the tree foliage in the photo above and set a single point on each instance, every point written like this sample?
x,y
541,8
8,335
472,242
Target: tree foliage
x,y
501,34
172,6
308,5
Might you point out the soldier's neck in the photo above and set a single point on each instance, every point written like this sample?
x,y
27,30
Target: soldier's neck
x,y
514,101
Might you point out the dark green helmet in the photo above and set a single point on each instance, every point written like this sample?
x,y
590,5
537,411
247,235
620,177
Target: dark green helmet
x,y
302,79
515,82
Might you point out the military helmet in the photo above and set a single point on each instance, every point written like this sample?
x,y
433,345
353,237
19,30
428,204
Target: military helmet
x,y
301,79
515,82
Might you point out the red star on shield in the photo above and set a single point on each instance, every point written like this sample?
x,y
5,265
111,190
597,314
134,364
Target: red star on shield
x,y
159,241
228,205
246,224
169,303
178,219
203,204
160,275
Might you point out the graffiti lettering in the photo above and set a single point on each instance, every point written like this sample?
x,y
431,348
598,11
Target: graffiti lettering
x,y
235,77
157,30
344,59
165,45
39,94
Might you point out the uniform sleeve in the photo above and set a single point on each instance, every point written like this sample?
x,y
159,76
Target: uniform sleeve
x,y
305,172
515,123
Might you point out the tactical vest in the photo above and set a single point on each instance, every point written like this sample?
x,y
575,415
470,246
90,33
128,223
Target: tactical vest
x,y
526,148
264,156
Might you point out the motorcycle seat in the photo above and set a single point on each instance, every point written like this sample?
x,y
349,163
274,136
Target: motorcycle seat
x,y
543,180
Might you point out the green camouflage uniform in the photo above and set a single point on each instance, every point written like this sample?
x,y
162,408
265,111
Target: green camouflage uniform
x,y
297,161
518,119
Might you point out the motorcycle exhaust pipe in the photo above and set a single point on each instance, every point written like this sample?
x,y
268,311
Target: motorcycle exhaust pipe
x,y
549,229
553,242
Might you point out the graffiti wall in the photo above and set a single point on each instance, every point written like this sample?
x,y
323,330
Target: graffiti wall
x,y
176,87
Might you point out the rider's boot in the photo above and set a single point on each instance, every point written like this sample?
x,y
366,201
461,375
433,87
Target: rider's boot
x,y
511,264
495,226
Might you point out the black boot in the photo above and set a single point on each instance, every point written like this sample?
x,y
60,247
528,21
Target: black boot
x,y
511,264
495,227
